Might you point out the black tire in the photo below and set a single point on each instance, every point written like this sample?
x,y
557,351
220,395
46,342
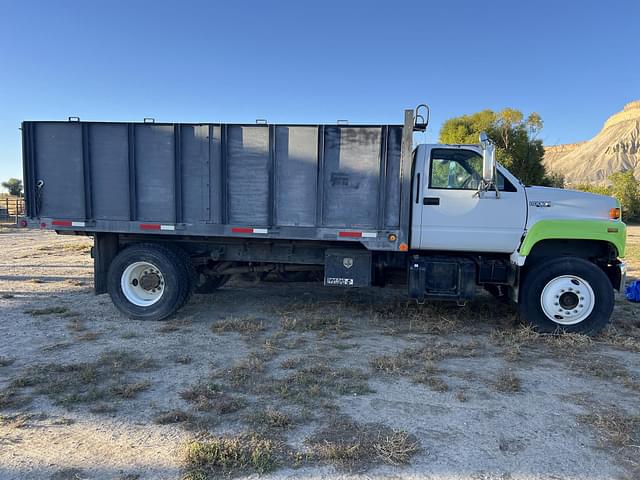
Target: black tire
x,y
211,283
176,273
538,277
191,272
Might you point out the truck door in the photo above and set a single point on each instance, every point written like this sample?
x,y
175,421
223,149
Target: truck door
x,y
453,215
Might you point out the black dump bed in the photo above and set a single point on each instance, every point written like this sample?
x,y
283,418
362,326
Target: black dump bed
x,y
307,182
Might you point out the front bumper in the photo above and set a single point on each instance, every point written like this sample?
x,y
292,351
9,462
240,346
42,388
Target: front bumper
x,y
622,267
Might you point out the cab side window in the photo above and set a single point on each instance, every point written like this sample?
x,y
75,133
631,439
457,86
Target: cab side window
x,y
455,169
460,170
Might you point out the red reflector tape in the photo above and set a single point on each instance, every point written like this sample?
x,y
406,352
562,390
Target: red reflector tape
x,y
350,234
149,226
61,223
249,230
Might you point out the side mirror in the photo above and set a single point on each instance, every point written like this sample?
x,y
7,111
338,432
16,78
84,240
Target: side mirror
x,y
488,159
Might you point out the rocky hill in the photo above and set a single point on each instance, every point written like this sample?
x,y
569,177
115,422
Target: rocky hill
x,y
615,148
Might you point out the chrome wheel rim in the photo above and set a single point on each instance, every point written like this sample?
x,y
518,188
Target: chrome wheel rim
x,y
567,300
142,284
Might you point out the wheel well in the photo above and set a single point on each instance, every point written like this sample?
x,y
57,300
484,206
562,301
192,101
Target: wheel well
x,y
601,253
593,250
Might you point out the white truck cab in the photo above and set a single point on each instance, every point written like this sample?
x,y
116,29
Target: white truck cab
x,y
452,212
563,245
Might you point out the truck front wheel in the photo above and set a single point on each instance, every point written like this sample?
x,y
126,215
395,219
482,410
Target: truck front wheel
x,y
568,294
148,281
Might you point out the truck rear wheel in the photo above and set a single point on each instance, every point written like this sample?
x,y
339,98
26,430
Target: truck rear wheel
x,y
568,294
149,281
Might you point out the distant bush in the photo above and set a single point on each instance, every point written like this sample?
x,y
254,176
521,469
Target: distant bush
x,y
553,179
587,187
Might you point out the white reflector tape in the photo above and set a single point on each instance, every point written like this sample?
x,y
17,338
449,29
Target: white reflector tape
x,y
260,230
167,227
77,224
369,234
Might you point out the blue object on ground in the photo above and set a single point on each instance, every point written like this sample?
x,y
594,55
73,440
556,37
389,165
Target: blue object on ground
x,y
632,291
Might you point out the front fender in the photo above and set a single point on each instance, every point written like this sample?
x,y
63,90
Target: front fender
x,y
610,231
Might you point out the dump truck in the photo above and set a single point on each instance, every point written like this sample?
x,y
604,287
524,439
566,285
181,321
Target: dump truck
x,y
177,208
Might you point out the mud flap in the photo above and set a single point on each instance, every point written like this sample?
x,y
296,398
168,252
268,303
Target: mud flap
x,y
347,268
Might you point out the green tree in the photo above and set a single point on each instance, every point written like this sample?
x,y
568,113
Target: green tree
x,y
554,179
14,186
518,149
625,188
587,187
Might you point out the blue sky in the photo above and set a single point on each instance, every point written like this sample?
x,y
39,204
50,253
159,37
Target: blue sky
x,y
574,62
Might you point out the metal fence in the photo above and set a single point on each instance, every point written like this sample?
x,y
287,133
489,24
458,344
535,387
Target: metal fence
x,y
11,209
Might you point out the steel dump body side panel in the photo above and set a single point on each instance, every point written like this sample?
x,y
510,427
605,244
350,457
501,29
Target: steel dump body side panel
x,y
266,181
109,161
194,149
352,176
296,176
248,165
64,173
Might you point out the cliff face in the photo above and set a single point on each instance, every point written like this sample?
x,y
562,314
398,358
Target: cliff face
x,y
615,148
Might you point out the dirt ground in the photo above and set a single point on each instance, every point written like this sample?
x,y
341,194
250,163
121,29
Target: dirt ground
x,y
301,381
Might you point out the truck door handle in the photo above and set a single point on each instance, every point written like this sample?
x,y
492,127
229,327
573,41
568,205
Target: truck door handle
x,y
431,201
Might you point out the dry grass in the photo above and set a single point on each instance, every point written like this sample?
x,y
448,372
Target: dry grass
x,y
6,361
89,382
508,382
396,448
81,248
249,326
462,396
441,318
26,420
619,431
269,420
183,359
10,398
174,325
37,312
606,368
129,390
173,416
434,382
246,370
77,325
101,408
624,331
515,342
310,322
56,346
129,335
357,447
210,397
420,364
87,336
310,385
231,455
291,363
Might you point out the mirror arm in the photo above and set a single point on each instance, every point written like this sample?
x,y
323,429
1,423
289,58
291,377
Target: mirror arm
x,y
485,187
